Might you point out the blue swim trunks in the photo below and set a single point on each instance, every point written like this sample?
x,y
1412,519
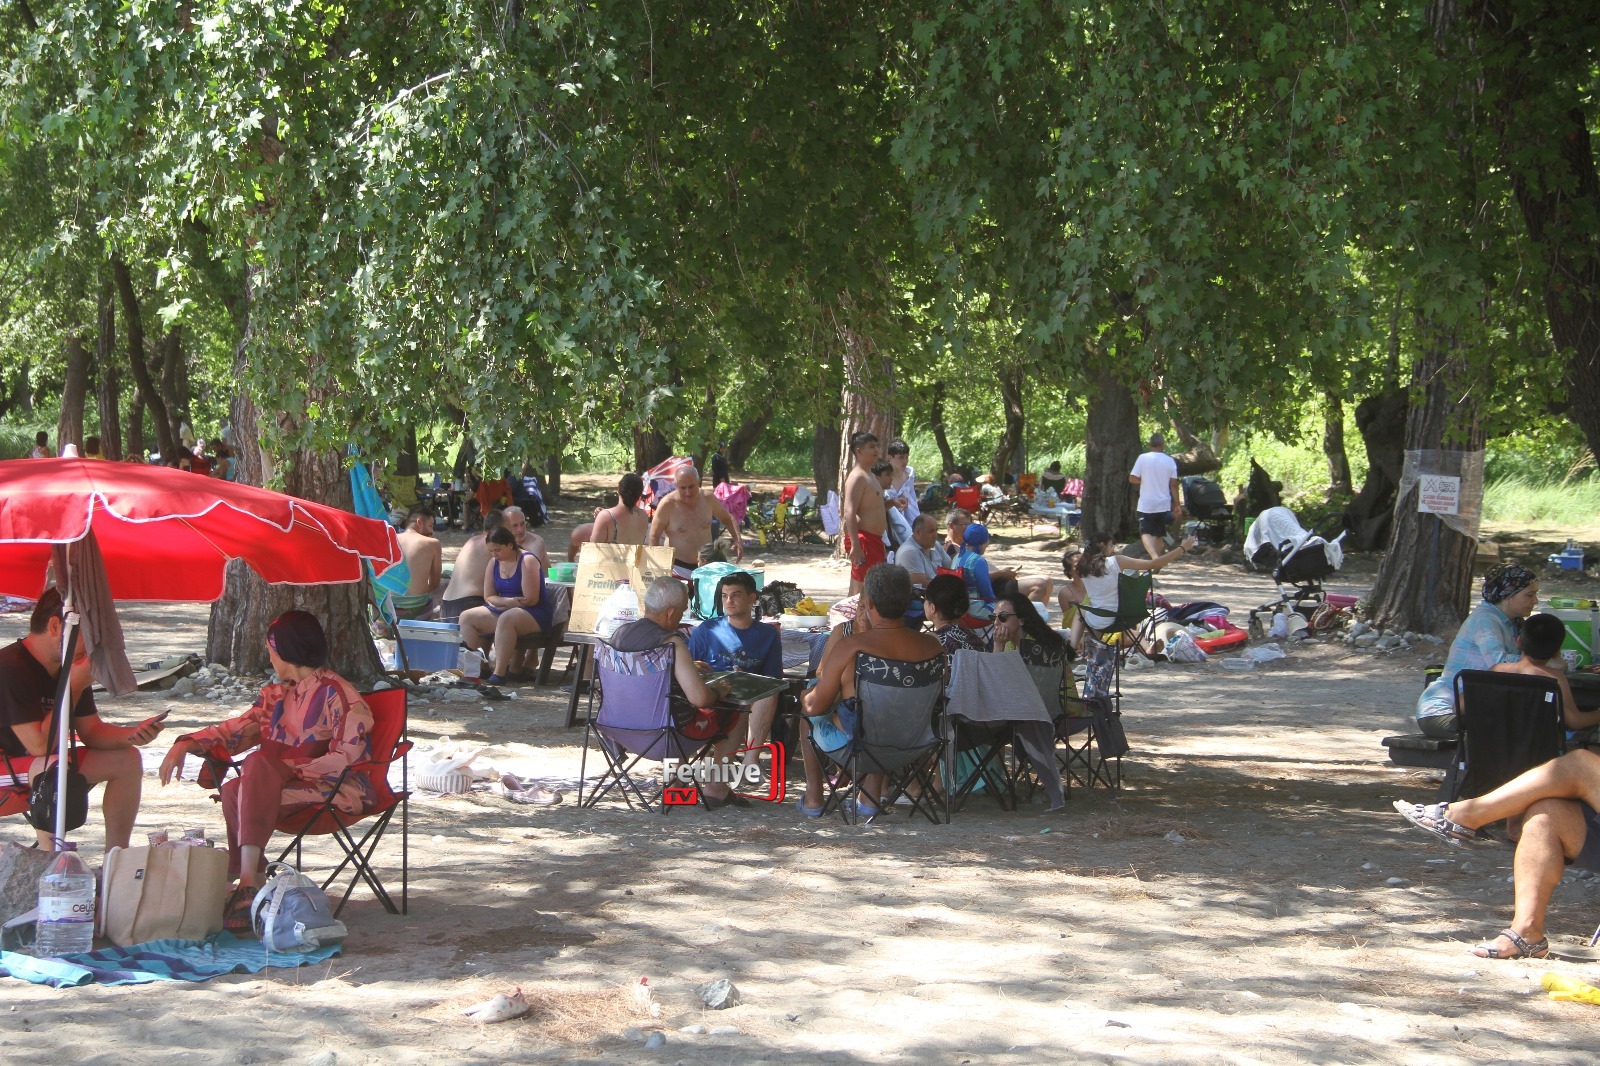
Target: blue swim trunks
x,y
832,738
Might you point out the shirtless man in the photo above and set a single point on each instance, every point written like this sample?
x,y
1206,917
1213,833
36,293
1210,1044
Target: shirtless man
x,y
425,556
879,629
863,518
683,520
527,539
465,590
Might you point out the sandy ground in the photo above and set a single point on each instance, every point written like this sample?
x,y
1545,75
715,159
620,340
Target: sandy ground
x,y
1297,918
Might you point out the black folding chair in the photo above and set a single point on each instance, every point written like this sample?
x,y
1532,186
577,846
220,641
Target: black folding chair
x,y
894,734
1509,724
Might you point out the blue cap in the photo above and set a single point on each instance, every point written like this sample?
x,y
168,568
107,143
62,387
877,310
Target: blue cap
x,y
976,536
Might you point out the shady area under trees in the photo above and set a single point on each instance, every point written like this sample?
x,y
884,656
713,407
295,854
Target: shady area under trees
x,y
604,233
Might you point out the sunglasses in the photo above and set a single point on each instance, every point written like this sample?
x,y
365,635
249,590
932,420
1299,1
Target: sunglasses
x,y
1004,617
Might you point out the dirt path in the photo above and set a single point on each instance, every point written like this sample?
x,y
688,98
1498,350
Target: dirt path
x,y
1248,897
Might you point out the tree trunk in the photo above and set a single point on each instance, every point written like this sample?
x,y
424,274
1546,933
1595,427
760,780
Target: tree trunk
x,y
1015,420
825,458
868,394
1333,447
108,383
237,634
1382,421
136,426
175,380
1425,579
650,446
1111,444
745,438
941,438
166,439
1198,456
552,477
69,425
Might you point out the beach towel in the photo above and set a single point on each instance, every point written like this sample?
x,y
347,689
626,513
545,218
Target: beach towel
x,y
159,960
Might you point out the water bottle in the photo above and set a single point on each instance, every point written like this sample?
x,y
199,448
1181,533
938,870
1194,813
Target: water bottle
x,y
66,906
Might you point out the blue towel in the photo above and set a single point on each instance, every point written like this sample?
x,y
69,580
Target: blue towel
x,y
159,960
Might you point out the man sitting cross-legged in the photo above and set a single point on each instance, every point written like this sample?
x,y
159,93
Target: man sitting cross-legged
x,y
665,602
1554,819
830,708
736,641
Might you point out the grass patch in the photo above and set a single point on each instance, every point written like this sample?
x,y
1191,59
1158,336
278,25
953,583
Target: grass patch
x,y
1523,500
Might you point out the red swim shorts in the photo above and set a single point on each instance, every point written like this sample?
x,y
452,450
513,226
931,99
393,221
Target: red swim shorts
x,y
873,548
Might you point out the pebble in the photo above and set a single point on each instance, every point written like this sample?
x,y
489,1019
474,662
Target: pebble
x,y
1370,867
1397,882
693,1030
184,686
655,1040
1358,629
1387,642
1366,640
723,1030
323,1058
633,1033
719,995
1174,836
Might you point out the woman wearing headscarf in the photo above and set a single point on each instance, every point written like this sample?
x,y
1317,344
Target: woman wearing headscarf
x,y
306,729
1486,639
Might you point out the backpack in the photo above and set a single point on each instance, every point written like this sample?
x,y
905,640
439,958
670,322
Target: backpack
x,y
291,913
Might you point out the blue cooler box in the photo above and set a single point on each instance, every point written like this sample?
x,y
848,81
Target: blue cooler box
x,y
431,646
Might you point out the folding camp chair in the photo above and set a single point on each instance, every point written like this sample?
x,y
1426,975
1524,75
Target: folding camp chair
x,y
1119,635
894,733
389,744
1092,743
997,713
634,723
1510,723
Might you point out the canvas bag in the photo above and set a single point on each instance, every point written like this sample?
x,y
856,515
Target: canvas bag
x,y
170,891
603,567
291,913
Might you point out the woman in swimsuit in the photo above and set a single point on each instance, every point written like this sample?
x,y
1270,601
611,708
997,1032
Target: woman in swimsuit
x,y
515,603
625,523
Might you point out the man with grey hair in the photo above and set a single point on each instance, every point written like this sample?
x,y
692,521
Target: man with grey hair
x,y
829,707
665,603
922,556
683,521
527,539
1156,474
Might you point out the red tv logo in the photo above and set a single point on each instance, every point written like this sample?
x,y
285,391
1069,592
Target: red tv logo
x,y
681,781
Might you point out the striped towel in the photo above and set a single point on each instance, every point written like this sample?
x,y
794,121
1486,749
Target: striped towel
x,y
159,960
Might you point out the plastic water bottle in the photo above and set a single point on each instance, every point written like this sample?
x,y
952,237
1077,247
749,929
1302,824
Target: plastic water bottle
x,y
66,906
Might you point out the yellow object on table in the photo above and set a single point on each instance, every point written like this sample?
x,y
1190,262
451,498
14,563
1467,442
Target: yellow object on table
x,y
1570,989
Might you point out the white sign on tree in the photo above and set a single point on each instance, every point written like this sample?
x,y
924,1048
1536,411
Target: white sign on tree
x,y
1438,494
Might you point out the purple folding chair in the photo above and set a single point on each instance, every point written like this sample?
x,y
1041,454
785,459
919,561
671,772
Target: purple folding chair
x,y
634,722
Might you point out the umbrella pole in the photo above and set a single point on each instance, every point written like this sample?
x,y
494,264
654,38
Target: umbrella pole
x,y
69,647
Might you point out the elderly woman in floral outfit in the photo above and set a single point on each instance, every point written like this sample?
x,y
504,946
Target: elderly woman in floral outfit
x,y
307,731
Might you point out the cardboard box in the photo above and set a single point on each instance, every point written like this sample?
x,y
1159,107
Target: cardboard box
x,y
602,567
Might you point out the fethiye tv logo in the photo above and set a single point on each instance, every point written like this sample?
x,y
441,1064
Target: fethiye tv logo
x,y
681,781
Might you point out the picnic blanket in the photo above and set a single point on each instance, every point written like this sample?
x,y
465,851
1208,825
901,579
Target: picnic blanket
x,y
159,960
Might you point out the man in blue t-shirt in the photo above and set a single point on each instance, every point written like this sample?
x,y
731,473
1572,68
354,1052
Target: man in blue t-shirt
x,y
736,641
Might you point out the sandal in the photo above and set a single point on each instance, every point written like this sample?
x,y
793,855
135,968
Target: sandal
x,y
1435,818
1538,949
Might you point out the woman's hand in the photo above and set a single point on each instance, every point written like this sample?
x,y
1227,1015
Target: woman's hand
x,y
173,763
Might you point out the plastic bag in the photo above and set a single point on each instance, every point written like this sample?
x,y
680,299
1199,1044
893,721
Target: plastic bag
x,y
1265,653
1181,648
618,609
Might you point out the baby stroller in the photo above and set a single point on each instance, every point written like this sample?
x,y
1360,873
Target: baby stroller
x,y
1212,514
1297,559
